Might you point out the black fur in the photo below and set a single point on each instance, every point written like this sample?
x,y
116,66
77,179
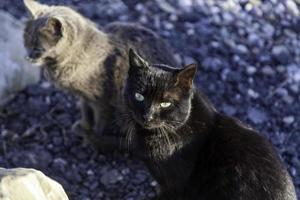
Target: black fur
x,y
193,151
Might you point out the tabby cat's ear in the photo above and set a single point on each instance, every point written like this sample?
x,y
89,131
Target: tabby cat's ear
x,y
136,61
34,8
185,77
53,27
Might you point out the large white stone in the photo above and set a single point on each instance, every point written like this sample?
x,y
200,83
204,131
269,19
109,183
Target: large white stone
x,y
15,72
28,184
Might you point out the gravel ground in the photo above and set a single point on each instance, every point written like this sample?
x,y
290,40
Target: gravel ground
x,y
249,66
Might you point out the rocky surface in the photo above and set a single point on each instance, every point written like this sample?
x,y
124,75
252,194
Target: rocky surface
x,y
249,66
16,72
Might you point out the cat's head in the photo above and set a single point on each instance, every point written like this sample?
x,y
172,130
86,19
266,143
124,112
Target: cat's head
x,y
47,30
158,95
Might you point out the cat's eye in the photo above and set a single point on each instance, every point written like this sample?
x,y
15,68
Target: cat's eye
x,y
165,104
139,97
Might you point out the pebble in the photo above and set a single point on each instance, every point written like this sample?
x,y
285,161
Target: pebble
x,y
153,183
211,63
288,99
253,39
188,60
289,119
251,70
125,171
173,17
111,177
59,164
257,116
295,88
281,54
140,177
296,76
144,20
267,70
252,94
169,26
292,7
190,31
241,49
249,7
90,172
228,17
46,85
269,30
229,110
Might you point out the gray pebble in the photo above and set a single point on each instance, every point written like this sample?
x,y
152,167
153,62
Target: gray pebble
x,y
281,54
257,116
111,177
251,70
228,109
288,119
267,70
252,94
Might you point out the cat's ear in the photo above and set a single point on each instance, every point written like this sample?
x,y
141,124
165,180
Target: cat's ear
x,y
53,27
185,77
34,7
136,61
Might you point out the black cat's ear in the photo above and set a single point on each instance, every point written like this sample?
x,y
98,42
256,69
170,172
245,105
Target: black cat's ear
x,y
185,77
136,61
34,8
53,27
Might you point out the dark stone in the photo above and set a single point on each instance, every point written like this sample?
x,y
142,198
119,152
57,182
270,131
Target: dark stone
x,y
281,54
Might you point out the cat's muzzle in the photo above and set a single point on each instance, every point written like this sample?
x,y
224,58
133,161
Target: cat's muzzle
x,y
32,60
33,56
151,125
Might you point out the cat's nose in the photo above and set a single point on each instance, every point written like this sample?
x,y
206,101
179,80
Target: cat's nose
x,y
34,54
148,117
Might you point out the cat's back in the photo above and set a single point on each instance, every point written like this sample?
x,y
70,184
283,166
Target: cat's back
x,y
241,164
149,44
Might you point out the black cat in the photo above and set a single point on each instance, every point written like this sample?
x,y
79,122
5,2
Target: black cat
x,y
193,151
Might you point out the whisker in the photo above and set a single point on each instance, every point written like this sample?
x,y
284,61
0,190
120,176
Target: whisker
x,y
165,134
170,129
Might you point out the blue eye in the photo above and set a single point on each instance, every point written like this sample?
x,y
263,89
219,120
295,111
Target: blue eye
x,y
139,97
165,104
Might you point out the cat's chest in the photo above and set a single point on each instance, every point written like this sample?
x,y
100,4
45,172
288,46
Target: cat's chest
x,y
167,163
159,147
81,83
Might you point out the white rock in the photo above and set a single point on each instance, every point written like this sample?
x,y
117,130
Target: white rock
x,y
165,6
16,72
293,72
293,8
249,7
288,119
251,70
252,94
297,76
186,4
29,184
168,25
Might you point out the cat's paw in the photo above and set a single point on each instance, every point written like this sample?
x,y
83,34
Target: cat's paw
x,y
82,130
79,127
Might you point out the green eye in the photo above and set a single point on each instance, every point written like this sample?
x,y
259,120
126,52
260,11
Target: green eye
x,y
165,104
139,97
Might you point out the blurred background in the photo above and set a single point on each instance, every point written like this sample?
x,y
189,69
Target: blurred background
x,y
248,53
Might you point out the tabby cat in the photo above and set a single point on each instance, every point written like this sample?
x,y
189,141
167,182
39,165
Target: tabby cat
x,y
193,151
81,58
